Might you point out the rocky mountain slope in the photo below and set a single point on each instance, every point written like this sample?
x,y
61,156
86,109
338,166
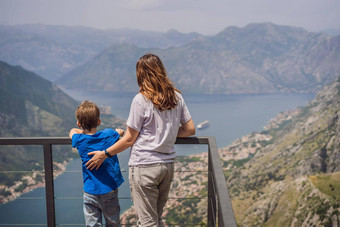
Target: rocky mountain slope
x,y
293,178
286,175
259,58
33,106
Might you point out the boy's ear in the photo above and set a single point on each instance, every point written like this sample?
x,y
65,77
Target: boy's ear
x,y
78,124
99,121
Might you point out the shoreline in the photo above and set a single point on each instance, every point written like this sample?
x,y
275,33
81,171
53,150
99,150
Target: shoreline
x,y
31,181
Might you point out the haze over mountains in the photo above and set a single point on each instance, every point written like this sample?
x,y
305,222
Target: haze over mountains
x,y
258,58
51,51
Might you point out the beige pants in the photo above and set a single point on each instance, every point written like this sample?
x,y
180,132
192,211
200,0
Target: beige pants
x,y
150,186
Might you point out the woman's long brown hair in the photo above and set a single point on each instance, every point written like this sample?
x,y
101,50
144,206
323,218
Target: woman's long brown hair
x,y
154,83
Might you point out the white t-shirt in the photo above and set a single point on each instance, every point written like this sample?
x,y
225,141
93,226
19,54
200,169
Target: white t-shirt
x,y
157,130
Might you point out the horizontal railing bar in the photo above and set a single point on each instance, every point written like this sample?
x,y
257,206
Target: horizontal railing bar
x,y
23,224
30,198
172,224
80,197
21,171
193,140
79,171
188,224
34,140
179,198
198,171
67,140
70,224
168,224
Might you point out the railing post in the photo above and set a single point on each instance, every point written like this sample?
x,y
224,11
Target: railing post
x,y
49,185
211,193
225,210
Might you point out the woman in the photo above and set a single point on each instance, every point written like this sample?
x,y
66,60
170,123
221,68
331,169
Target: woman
x,y
158,115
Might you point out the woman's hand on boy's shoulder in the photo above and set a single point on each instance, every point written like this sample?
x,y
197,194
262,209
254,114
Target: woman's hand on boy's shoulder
x,y
96,161
120,131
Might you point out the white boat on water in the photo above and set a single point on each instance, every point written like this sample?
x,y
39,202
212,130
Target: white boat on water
x,y
203,124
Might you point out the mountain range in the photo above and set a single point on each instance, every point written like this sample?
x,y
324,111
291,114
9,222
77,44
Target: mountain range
x,y
51,51
259,58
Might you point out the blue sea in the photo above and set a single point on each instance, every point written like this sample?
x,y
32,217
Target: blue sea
x,y
230,117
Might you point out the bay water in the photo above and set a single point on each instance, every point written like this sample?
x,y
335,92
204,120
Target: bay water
x,y
230,117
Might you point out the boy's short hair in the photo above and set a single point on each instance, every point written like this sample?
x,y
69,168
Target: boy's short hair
x,y
88,114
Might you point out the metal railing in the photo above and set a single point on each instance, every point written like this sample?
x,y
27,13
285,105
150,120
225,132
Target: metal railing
x,y
220,211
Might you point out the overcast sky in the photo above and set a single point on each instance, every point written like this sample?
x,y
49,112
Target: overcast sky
x,y
204,16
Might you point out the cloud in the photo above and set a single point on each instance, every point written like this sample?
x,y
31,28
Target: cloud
x,y
143,4
169,5
203,16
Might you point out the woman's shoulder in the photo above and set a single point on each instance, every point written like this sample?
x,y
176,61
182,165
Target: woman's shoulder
x,y
140,98
179,96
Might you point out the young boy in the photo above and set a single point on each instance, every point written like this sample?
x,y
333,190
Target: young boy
x,y
100,186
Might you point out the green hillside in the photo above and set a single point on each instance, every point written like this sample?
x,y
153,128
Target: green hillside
x,y
293,179
33,106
